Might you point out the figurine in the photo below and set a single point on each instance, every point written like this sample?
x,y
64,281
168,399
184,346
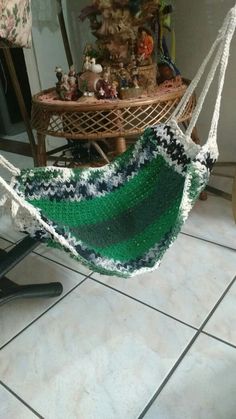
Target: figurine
x,y
107,27
87,81
134,70
95,68
87,64
59,74
104,87
73,88
65,88
166,72
123,77
145,45
101,93
72,76
135,82
113,90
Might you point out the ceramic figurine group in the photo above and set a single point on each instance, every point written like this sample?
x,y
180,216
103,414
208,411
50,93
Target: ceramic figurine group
x,y
122,62
67,84
95,80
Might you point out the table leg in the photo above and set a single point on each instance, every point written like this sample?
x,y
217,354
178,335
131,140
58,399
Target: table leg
x,y
120,145
41,150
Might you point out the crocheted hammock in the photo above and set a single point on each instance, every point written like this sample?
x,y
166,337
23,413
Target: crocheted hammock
x,y
121,218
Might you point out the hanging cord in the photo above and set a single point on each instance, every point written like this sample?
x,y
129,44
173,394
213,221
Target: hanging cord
x,y
222,60
8,166
219,40
18,202
205,90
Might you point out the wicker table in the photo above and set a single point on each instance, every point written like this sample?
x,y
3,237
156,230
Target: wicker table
x,y
100,119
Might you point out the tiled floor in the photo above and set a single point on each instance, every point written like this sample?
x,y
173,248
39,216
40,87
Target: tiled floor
x,y
159,346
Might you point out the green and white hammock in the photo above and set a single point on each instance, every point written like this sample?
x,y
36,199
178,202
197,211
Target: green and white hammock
x,y
121,218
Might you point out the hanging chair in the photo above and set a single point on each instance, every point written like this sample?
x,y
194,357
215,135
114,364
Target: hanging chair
x,y
121,218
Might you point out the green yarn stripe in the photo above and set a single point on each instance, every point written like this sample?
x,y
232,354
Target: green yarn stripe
x,y
98,209
142,242
132,221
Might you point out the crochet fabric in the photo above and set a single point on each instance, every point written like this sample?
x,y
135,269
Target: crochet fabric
x,y
120,219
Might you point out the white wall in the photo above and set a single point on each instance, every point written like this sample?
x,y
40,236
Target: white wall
x,y
47,42
79,32
48,49
46,53
197,24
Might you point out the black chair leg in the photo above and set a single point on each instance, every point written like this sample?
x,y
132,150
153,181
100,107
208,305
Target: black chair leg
x,y
10,290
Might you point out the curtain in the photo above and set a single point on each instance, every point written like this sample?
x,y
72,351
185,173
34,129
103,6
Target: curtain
x,y
15,23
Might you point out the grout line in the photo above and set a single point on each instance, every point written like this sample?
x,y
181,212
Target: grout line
x,y
11,243
43,313
62,264
21,400
7,240
186,350
219,339
143,303
208,241
45,257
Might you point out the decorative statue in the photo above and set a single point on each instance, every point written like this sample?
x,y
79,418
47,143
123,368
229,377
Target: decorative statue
x,y
166,72
95,68
73,93
104,86
59,74
168,78
123,77
101,93
72,76
135,82
87,64
145,45
65,88
113,91
107,27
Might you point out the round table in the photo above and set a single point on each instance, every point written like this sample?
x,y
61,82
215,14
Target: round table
x,y
93,120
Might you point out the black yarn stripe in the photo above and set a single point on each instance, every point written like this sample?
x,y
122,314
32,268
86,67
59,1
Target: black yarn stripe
x,y
150,143
135,220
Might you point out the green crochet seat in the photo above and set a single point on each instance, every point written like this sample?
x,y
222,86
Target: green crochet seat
x,y
120,218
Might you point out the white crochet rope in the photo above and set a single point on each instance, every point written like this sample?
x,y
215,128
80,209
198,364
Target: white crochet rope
x,y
223,67
191,88
8,166
223,43
17,202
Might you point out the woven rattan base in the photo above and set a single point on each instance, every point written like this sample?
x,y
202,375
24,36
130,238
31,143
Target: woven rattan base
x,y
97,120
